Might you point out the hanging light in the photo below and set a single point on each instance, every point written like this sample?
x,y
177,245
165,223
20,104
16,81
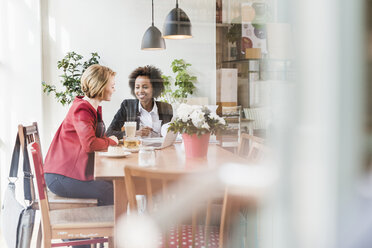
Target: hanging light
x,y
177,24
152,39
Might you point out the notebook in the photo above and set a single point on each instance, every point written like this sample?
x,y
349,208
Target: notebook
x,y
160,143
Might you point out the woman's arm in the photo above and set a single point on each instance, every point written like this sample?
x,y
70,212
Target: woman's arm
x,y
85,126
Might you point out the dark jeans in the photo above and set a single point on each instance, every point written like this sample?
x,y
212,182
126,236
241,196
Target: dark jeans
x,y
63,186
72,188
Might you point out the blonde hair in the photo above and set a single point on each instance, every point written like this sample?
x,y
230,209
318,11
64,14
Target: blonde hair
x,y
94,80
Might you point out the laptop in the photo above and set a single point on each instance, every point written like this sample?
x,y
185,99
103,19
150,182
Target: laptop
x,y
160,142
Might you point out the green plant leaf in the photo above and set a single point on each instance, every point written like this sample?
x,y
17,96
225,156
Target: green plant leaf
x,y
182,85
72,68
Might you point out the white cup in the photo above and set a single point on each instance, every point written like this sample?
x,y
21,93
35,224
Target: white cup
x,y
130,129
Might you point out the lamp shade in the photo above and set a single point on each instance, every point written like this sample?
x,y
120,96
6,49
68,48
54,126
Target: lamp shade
x,y
177,25
152,39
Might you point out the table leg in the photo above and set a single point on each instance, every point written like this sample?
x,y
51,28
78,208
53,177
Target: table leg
x,y
120,201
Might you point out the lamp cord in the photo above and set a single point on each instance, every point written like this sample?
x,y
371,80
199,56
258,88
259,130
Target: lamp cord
x,y
152,8
177,4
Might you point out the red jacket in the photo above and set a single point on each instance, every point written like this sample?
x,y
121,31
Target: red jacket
x,y
72,150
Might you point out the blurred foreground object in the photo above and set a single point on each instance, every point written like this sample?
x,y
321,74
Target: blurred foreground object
x,y
177,200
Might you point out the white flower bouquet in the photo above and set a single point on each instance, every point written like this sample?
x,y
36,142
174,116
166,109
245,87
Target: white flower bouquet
x,y
196,119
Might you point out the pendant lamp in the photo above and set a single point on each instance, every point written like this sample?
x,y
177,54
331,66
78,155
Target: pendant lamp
x,y
177,24
152,39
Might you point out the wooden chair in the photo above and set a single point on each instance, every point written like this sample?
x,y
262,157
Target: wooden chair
x,y
56,202
229,138
232,207
31,133
164,182
252,147
74,223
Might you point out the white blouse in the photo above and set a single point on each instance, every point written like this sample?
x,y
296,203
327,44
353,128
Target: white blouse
x,y
150,119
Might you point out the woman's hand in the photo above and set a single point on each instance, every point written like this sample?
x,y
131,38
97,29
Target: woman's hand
x,y
114,139
144,131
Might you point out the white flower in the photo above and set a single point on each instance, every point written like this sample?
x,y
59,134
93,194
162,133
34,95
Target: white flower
x,y
185,118
184,111
195,107
213,116
222,120
197,118
190,117
205,125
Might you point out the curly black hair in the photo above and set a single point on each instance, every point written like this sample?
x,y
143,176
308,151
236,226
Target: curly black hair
x,y
153,73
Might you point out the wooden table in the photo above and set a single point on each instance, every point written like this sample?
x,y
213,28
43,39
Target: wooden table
x,y
170,158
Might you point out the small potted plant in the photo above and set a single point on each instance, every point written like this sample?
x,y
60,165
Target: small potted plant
x,y
196,123
178,89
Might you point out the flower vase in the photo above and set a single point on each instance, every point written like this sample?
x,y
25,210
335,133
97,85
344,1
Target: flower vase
x,y
196,146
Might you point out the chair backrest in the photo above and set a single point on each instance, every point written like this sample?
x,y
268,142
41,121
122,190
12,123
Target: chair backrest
x,y
231,110
259,116
31,133
252,147
172,189
37,162
155,182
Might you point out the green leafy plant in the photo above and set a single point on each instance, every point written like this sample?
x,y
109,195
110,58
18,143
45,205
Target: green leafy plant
x,y
182,86
234,33
73,68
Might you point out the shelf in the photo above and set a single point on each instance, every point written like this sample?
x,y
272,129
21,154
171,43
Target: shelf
x,y
239,60
223,25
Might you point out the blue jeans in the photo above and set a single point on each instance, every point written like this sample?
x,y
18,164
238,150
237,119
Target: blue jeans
x,y
73,188
64,186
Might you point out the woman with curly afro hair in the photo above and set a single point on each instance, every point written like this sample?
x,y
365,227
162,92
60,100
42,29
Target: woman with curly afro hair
x,y
146,84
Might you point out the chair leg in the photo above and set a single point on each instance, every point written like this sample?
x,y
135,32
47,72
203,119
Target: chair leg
x,y
179,230
194,227
207,222
111,242
39,236
47,243
224,226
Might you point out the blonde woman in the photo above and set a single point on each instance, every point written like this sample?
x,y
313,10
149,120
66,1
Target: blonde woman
x,y
70,159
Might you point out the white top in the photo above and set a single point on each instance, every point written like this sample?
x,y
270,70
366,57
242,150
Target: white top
x,y
150,119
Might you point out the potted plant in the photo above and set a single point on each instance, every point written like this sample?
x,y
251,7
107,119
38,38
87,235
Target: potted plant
x,y
196,123
73,68
234,36
176,90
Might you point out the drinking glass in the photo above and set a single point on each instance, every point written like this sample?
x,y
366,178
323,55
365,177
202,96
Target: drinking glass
x,y
131,143
130,129
146,156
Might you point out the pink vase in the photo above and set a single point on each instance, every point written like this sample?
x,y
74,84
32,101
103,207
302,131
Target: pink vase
x,y
196,146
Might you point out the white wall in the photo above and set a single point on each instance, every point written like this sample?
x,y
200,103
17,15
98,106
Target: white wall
x,y
114,29
20,72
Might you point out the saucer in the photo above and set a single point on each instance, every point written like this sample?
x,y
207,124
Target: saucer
x,y
131,149
115,155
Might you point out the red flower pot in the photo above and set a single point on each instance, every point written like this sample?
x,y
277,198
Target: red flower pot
x,y
196,146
